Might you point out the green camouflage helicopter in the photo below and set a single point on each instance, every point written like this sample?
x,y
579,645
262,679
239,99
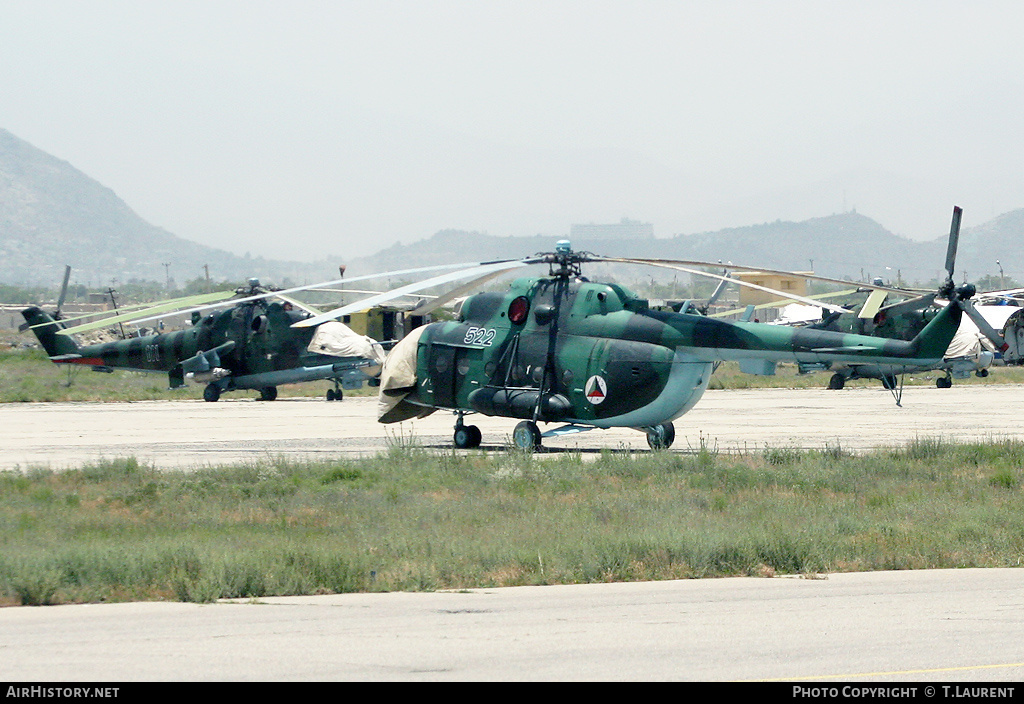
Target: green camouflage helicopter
x,y
973,350
982,335
250,345
562,349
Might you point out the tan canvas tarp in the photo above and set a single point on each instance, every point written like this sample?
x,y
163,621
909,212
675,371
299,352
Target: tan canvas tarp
x,y
338,340
398,380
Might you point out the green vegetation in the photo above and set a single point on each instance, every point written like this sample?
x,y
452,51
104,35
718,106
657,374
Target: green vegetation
x,y
22,294
27,375
410,519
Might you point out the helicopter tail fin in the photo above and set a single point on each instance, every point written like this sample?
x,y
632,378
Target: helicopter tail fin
x,y
933,341
44,327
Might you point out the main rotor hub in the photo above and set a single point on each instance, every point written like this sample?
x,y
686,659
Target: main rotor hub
x,y
565,263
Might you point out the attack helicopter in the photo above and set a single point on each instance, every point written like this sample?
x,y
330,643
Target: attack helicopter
x,y
982,334
563,349
972,350
250,345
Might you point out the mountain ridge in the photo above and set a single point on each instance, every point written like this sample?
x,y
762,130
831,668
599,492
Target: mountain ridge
x,y
52,214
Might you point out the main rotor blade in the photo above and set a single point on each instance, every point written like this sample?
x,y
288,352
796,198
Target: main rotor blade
x,y
739,267
871,306
1010,294
168,307
299,304
496,267
307,287
345,290
740,282
954,240
85,316
463,290
719,289
776,303
910,304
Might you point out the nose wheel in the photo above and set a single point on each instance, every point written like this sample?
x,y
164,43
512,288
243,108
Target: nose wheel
x,y
466,436
335,394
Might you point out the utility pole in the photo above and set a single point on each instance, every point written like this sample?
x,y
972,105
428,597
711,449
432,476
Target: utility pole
x,y
167,275
206,268
113,302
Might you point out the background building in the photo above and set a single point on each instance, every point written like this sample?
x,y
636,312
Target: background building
x,y
626,229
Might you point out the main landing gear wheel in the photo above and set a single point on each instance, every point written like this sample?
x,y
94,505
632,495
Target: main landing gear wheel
x,y
660,437
467,437
943,382
268,393
837,382
335,394
526,436
211,393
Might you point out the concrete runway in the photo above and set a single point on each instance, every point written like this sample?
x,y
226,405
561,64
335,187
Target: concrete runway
x,y
938,626
927,626
183,434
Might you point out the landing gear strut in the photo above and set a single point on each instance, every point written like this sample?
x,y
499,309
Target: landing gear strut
x,y
894,384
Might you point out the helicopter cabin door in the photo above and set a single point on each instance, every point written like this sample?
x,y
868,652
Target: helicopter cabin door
x,y
443,374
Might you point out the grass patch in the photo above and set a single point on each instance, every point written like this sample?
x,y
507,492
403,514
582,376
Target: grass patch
x,y
28,376
409,519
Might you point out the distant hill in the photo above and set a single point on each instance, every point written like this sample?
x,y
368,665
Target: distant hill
x,y
51,214
846,245
1001,238
838,245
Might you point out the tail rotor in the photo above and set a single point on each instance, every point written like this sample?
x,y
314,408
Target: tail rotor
x,y
63,291
954,241
963,294
60,299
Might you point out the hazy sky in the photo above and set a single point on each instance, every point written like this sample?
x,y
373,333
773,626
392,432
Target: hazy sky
x,y
300,129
